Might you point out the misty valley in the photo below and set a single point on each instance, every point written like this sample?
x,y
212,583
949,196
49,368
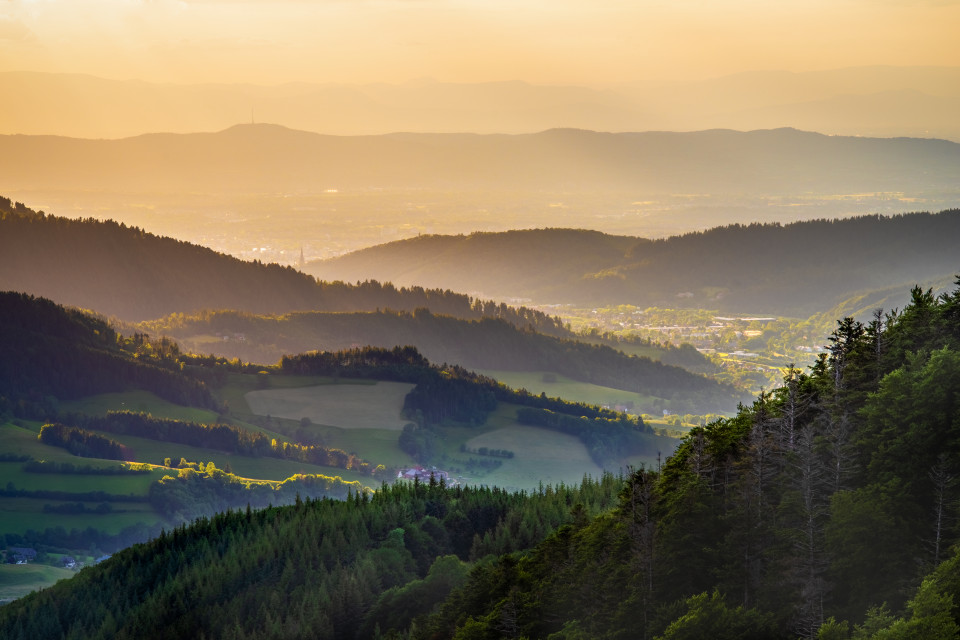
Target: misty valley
x,y
371,453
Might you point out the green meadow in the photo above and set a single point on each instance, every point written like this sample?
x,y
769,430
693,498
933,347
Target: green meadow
x,y
558,386
362,417
349,406
138,401
12,472
17,580
18,515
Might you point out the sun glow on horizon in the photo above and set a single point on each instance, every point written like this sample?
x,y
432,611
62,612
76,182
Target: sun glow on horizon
x,y
392,41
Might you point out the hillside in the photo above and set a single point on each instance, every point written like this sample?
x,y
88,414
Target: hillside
x,y
107,438
52,354
487,343
818,511
797,269
273,158
134,275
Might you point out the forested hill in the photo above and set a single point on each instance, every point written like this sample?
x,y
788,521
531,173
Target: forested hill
x,y
826,510
51,353
134,275
796,269
488,343
274,158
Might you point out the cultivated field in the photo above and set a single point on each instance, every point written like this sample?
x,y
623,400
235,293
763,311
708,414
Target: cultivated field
x,y
349,406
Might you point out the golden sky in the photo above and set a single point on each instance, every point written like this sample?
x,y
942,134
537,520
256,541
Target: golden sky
x,y
590,42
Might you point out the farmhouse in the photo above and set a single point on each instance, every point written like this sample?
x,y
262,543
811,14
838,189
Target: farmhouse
x,y
423,475
21,555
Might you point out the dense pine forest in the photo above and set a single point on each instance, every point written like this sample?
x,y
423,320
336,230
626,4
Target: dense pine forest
x,y
827,508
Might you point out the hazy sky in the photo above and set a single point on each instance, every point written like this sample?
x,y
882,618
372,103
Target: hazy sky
x,y
542,41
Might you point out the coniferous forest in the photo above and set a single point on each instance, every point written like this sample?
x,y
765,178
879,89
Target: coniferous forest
x,y
827,508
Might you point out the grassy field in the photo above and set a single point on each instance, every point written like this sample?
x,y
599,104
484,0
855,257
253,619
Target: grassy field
x,y
358,416
18,515
140,401
378,446
349,406
238,385
541,456
77,483
17,580
21,439
533,381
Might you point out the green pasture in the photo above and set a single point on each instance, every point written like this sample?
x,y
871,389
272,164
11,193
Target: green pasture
x,y
18,515
377,446
238,385
568,389
349,406
12,472
24,441
138,401
17,580
541,455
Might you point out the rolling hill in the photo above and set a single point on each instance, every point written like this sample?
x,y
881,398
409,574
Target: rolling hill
x,y
264,157
792,519
106,437
488,343
134,275
797,269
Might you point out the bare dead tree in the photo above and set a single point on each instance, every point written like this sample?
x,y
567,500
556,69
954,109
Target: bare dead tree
x,y
642,529
809,562
841,454
943,482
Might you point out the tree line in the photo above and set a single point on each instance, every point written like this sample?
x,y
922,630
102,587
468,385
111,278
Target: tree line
x,y
82,443
222,437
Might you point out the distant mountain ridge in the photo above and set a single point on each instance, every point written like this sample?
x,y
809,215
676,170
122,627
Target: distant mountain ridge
x,y
796,269
272,158
870,101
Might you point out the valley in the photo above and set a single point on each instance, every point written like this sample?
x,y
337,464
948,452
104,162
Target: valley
x,y
407,320
310,393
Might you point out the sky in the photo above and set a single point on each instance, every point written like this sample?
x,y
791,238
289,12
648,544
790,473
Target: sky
x,y
584,42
